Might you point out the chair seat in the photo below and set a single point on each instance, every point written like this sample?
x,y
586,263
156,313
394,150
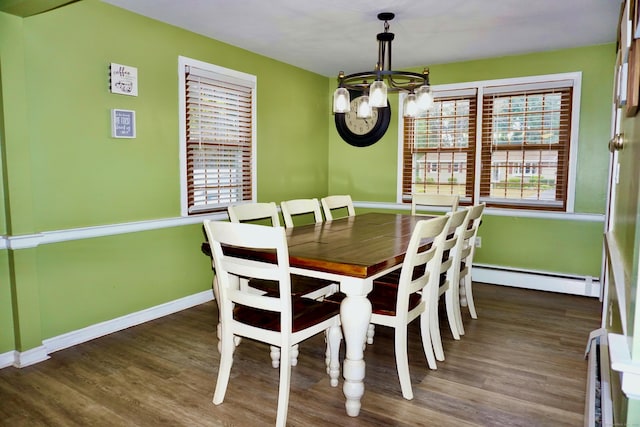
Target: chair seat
x,y
383,299
300,285
393,277
305,312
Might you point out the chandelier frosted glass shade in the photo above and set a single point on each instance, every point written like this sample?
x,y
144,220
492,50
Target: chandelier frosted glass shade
x,y
341,101
410,106
424,98
364,108
378,94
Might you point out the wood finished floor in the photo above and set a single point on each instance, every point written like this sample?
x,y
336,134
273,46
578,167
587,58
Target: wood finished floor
x,y
520,364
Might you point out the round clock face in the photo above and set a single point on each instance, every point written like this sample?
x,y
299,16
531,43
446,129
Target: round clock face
x,y
356,124
363,132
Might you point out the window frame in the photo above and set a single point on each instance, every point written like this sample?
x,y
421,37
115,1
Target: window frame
x,y
541,81
446,167
233,76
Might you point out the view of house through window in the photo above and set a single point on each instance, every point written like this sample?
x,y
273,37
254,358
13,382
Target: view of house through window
x,y
506,143
217,136
439,148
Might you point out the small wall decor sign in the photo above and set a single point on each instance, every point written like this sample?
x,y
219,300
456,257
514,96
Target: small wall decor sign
x,y
123,79
123,123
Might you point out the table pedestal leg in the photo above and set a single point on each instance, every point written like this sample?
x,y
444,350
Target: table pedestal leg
x,y
355,314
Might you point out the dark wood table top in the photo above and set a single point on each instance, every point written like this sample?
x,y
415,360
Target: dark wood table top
x,y
358,246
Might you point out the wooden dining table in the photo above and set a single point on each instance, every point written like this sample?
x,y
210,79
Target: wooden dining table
x,y
352,251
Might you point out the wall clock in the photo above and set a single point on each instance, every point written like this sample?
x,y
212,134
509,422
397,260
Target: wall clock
x,y
363,132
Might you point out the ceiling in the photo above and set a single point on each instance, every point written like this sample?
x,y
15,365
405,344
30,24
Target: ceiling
x,y
327,36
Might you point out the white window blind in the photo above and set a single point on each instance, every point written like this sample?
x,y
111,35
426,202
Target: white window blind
x,y
219,140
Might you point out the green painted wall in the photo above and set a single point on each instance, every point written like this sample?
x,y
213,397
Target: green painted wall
x,y
7,337
64,171
538,245
67,64
550,245
8,49
84,282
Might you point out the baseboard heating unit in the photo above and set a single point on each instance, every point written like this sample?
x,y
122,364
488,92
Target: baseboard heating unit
x,y
537,280
598,408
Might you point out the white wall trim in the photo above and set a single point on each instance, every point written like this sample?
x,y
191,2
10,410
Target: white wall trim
x,y
32,240
30,357
8,358
621,362
107,327
515,213
27,241
537,280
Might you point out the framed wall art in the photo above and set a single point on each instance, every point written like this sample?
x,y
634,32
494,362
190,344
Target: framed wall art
x,y
123,123
123,79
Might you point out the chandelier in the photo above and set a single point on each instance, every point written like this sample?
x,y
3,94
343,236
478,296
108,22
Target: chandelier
x,y
375,84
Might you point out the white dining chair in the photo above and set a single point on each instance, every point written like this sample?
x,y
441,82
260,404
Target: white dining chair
x,y
469,248
395,305
296,207
274,318
448,284
341,203
448,274
301,286
425,201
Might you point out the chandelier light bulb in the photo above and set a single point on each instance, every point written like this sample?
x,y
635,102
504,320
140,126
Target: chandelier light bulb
x,y
341,101
364,108
378,94
424,98
410,105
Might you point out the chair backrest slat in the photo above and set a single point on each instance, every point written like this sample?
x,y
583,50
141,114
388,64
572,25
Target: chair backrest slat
x,y
424,201
254,211
341,201
291,208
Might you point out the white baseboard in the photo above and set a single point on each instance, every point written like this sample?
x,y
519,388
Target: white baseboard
x,y
538,280
30,357
104,328
41,353
24,358
8,358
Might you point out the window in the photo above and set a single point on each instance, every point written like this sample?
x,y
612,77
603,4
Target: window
x,y
439,147
520,154
217,126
